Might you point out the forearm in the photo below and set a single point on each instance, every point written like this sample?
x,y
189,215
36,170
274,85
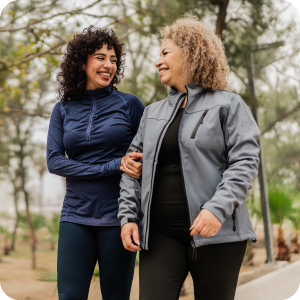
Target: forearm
x,y
60,165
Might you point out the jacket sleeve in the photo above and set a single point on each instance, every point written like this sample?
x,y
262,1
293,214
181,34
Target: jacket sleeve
x,y
60,165
130,193
241,136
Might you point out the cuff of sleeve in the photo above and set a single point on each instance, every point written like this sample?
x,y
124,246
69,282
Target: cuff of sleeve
x,y
129,220
214,211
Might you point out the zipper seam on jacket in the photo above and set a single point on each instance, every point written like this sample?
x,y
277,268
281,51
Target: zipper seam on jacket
x,y
185,194
155,153
184,187
199,123
88,137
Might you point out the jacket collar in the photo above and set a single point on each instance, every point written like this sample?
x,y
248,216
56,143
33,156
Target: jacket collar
x,y
96,94
193,90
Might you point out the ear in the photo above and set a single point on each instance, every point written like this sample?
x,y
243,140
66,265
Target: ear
x,y
83,67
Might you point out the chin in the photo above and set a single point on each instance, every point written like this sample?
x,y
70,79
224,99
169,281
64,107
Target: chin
x,y
164,81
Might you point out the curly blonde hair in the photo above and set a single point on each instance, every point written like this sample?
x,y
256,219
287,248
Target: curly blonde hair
x,y
203,52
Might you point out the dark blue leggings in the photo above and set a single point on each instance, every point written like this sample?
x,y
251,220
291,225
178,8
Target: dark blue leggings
x,y
79,248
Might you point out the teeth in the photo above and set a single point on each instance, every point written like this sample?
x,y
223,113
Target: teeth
x,y
105,74
163,70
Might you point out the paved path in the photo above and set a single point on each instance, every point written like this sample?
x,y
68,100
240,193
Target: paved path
x,y
281,284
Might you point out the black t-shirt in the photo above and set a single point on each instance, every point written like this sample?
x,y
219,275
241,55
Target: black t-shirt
x,y
169,207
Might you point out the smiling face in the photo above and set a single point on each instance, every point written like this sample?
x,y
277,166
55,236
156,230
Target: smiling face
x,y
100,68
170,67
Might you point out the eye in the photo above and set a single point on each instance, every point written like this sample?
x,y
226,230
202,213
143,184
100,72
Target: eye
x,y
101,58
114,61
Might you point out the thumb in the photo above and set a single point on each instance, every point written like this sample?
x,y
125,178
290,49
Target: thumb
x,y
135,235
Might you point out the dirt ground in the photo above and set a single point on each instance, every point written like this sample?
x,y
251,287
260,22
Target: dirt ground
x,y
20,282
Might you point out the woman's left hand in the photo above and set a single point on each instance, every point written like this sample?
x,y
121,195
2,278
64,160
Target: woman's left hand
x,y
131,167
206,224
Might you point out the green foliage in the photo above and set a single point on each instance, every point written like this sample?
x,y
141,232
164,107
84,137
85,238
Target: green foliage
x,y
38,220
281,198
294,216
47,275
4,230
51,276
53,229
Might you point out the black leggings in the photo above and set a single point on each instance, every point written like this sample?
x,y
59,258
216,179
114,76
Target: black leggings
x,y
165,266
79,248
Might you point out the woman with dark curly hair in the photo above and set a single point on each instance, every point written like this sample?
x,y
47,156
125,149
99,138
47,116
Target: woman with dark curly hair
x,y
93,124
200,157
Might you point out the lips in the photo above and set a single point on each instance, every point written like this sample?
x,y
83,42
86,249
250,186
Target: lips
x,y
161,70
104,75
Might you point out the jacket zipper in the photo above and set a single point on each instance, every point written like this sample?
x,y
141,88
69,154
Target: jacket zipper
x,y
198,124
233,220
194,255
88,136
155,153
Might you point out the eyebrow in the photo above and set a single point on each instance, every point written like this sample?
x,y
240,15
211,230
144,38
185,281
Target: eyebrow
x,y
165,49
104,55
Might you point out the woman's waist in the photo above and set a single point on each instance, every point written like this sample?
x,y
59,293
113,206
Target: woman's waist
x,y
98,187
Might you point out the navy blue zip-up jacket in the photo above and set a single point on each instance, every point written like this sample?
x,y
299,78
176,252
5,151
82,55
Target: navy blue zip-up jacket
x,y
94,131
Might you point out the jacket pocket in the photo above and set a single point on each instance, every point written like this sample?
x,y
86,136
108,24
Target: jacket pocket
x,y
198,125
234,221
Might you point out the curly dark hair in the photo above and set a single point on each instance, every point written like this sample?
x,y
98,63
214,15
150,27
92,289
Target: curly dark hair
x,y
72,78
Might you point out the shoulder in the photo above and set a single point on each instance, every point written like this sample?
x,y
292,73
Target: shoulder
x,y
157,105
129,98
58,107
223,98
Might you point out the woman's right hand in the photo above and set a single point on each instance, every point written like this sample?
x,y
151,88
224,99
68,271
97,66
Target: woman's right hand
x,y
130,164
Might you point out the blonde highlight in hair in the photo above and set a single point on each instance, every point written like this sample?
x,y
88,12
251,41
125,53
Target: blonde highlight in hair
x,y
203,52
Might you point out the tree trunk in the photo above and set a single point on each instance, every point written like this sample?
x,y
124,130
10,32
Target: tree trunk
x,y
282,251
14,234
221,19
32,233
23,177
294,242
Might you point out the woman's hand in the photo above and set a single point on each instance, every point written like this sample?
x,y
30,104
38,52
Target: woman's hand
x,y
130,164
206,224
130,233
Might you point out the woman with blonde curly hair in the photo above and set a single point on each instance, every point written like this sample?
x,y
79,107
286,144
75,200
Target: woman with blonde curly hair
x,y
200,156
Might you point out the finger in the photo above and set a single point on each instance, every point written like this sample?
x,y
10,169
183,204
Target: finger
x,y
204,231
130,173
136,156
136,169
197,228
195,222
133,164
129,245
135,236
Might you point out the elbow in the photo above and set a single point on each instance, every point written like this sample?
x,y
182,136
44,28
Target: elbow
x,y
51,167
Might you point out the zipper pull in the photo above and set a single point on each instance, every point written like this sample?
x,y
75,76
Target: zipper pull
x,y
194,255
233,219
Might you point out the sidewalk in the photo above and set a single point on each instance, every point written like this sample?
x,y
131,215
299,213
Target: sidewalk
x,y
281,284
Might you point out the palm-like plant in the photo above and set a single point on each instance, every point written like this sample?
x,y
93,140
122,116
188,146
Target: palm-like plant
x,y
295,219
5,232
280,202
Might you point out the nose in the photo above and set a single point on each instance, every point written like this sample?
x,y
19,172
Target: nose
x,y
159,62
108,64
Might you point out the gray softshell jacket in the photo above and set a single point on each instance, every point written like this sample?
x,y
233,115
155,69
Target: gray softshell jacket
x,y
218,141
